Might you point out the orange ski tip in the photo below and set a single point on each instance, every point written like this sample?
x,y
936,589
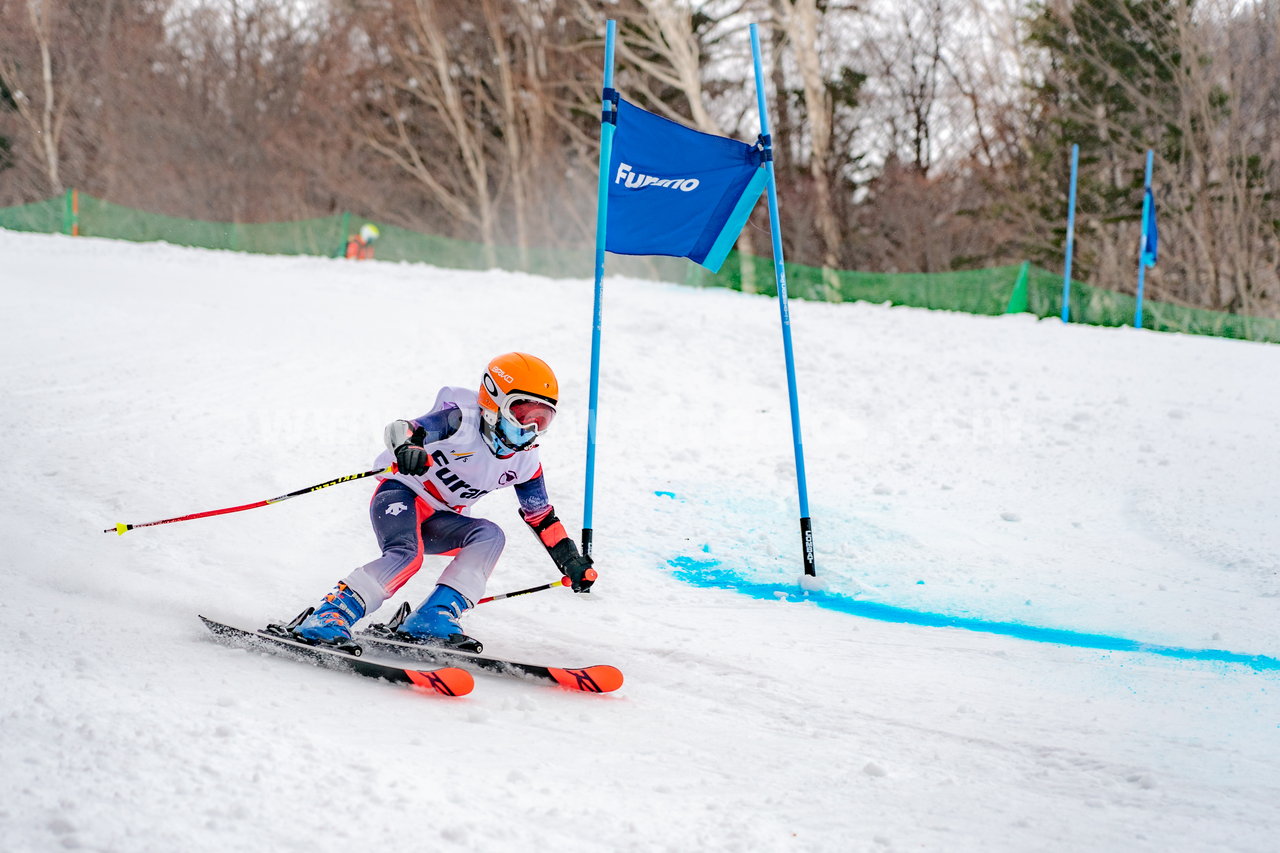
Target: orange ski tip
x,y
450,681
609,678
589,679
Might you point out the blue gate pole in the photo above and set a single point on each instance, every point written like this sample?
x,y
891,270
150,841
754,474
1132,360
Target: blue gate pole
x,y
1071,235
1142,243
780,276
608,124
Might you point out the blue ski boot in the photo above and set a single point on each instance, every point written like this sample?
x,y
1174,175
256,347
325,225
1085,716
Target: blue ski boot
x,y
435,623
330,623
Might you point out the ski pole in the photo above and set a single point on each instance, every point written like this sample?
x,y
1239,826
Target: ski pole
x,y
124,528
564,581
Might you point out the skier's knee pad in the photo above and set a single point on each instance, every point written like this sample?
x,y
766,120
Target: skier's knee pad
x,y
399,557
486,533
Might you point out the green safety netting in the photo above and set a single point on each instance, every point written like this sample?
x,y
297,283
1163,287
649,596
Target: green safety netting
x,y
305,237
1097,307
984,291
996,290
47,217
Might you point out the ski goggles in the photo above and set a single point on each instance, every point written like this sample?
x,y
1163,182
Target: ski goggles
x,y
523,419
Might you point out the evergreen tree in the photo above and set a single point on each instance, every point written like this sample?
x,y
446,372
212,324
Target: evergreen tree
x,y
1110,65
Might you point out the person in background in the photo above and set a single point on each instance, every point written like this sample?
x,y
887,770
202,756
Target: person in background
x,y
360,246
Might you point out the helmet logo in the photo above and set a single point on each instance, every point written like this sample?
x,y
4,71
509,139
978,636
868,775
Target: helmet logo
x,y
506,377
490,385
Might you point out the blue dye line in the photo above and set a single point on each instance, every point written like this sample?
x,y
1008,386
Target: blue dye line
x,y
711,574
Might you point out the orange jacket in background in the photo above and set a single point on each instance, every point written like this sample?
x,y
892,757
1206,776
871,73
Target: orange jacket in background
x,y
358,249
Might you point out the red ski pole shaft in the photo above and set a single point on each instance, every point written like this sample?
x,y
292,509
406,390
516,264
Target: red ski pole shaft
x,y
122,529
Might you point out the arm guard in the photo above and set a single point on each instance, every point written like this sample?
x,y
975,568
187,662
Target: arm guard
x,y
433,426
561,548
398,432
547,527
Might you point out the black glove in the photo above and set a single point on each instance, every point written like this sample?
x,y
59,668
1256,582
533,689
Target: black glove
x,y
576,567
411,459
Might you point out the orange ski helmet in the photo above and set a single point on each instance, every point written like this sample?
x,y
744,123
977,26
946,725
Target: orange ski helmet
x,y
518,396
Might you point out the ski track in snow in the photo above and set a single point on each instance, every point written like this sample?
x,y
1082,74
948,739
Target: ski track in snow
x,y
1099,480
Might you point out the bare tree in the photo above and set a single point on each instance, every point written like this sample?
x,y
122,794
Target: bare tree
x,y
467,101
910,62
78,78
1225,159
931,135
801,20
665,49
529,111
26,69
1196,103
944,119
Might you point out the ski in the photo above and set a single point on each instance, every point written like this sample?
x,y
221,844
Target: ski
x,y
447,680
601,678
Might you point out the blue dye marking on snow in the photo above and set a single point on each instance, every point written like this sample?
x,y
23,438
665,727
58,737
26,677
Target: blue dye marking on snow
x,y
671,495
711,574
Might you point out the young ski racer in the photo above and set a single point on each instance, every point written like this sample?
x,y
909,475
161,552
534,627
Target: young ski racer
x,y
467,446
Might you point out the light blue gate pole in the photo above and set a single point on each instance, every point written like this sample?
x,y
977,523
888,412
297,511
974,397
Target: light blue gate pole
x,y
608,124
1071,235
1142,244
780,275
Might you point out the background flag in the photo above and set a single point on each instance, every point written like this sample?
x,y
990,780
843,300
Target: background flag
x,y
676,191
1149,248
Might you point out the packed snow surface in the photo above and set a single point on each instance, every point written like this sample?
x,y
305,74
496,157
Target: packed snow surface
x,y
1004,470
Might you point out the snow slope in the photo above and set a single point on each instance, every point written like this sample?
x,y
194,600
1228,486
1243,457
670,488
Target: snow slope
x,y
1110,481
